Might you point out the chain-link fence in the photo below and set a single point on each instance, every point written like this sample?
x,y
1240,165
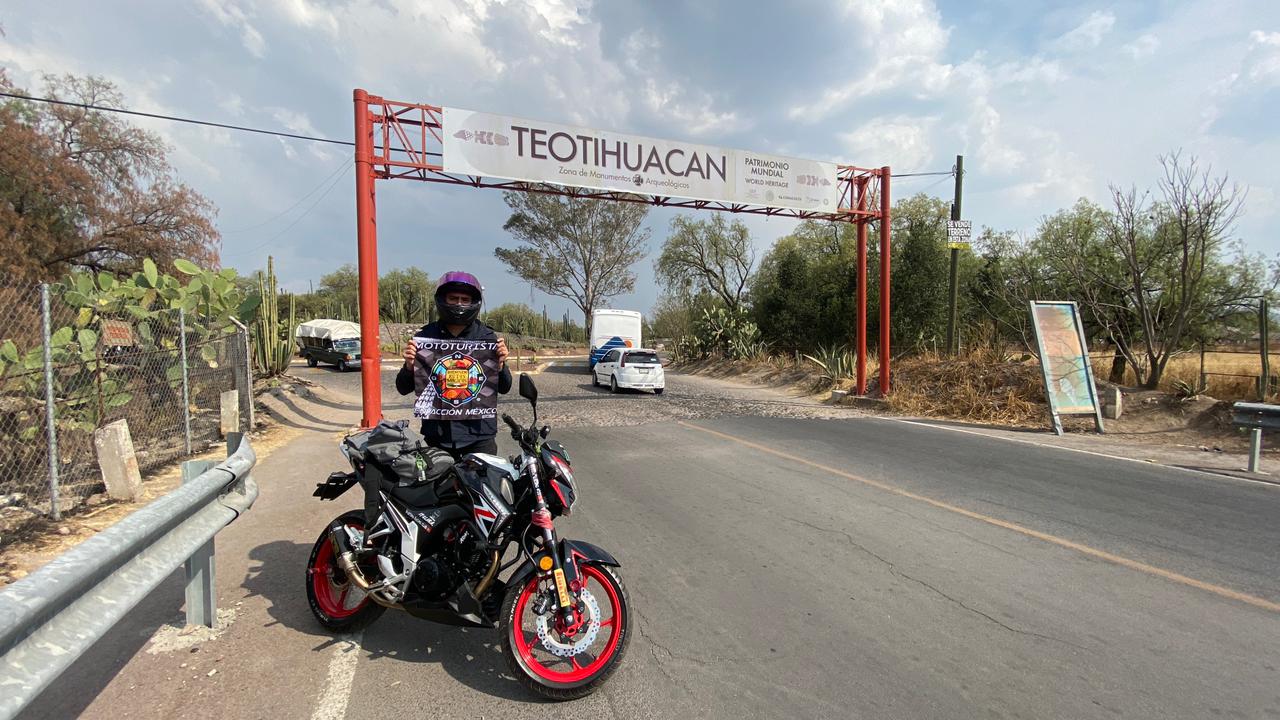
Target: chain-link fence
x,y
68,369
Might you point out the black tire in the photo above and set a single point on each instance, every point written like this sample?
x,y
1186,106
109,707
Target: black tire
x,y
585,687
342,366
613,384
312,362
658,391
595,380
366,613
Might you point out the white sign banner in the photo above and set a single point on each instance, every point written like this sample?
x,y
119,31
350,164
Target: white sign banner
x,y
959,228
502,146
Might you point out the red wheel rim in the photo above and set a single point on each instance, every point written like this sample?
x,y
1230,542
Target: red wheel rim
x,y
332,595
569,670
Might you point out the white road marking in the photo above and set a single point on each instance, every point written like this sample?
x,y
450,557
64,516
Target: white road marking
x,y
1211,473
332,704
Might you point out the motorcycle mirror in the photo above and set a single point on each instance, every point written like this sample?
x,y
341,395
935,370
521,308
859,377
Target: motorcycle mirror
x,y
528,390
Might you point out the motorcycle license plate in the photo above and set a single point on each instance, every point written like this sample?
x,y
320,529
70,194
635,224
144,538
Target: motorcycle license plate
x,y
562,588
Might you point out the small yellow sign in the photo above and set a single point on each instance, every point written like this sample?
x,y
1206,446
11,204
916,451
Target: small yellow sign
x,y
562,588
958,245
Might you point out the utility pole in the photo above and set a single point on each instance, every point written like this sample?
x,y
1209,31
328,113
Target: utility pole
x,y
1264,341
953,346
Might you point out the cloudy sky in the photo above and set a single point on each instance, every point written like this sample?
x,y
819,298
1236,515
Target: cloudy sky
x,y
1047,101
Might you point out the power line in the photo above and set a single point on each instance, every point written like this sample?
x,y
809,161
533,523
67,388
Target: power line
x,y
296,220
175,118
341,166
924,174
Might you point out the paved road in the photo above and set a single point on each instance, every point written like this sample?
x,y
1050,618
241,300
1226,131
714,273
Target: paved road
x,y
785,560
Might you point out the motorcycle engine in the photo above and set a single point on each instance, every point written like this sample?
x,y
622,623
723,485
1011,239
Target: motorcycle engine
x,y
432,578
459,558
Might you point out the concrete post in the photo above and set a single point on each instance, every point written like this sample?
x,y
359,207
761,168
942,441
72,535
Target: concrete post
x,y
1112,408
116,459
229,405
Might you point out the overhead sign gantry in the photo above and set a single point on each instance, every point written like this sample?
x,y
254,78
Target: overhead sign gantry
x,y
398,140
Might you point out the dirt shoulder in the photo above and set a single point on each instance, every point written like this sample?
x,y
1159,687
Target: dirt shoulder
x,y
37,540
1007,400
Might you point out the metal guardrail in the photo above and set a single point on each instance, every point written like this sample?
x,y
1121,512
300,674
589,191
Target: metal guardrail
x,y
52,616
1259,417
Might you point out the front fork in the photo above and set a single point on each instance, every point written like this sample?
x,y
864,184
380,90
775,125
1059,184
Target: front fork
x,y
542,518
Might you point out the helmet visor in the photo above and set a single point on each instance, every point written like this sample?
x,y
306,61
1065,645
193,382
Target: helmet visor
x,y
457,277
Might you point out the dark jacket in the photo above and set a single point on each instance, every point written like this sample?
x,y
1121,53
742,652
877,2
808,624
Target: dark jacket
x,y
456,433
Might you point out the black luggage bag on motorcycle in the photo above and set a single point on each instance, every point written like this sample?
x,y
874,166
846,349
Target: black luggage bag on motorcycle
x,y
397,460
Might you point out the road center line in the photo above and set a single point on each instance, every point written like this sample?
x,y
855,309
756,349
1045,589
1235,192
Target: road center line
x,y
332,704
1023,530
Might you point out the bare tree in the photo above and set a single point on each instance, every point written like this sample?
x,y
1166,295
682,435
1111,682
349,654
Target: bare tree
x,y
708,256
578,249
1157,271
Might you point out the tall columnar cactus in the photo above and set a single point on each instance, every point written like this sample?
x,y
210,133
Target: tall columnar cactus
x,y
272,346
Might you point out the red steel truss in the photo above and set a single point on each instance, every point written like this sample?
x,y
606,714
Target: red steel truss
x,y
399,140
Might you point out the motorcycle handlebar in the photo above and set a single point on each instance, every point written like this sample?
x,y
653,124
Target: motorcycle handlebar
x,y
511,422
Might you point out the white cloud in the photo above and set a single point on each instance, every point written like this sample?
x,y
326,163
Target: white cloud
x,y
233,16
904,138
1088,34
1145,46
690,110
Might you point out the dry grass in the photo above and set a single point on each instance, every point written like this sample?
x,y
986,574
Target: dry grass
x,y
1185,369
979,386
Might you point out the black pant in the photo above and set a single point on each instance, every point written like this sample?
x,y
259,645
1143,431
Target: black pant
x,y
489,447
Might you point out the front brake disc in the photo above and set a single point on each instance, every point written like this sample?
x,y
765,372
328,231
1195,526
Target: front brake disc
x,y
560,649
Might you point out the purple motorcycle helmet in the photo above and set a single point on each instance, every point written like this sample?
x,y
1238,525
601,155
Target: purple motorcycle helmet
x,y
455,281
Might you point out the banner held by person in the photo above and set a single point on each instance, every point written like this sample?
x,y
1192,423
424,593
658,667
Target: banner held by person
x,y
455,379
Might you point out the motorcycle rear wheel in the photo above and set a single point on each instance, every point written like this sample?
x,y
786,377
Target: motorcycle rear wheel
x,y
557,678
333,598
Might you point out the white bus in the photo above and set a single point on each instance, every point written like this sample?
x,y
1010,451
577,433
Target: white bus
x,y
613,329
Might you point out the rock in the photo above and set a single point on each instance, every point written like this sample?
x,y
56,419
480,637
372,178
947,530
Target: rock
x,y
64,530
211,673
97,499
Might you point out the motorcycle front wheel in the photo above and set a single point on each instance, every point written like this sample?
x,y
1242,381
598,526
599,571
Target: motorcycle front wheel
x,y
557,665
335,601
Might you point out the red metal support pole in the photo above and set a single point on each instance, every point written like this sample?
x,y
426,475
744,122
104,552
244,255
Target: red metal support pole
x,y
367,255
884,279
862,288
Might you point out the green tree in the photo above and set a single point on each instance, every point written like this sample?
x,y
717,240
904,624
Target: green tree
x,y
707,256
920,269
405,295
578,249
83,189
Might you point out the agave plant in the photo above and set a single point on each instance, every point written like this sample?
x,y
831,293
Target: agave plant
x,y
837,362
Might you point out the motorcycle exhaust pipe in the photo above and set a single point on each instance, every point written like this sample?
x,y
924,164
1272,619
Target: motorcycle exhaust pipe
x,y
346,558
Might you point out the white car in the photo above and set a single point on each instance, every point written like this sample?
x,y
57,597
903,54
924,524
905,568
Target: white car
x,y
632,368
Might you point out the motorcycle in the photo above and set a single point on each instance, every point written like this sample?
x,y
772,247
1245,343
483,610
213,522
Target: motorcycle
x,y
437,551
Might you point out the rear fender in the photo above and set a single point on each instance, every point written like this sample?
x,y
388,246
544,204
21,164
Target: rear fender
x,y
572,554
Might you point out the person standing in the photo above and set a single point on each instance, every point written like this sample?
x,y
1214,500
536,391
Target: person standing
x,y
459,297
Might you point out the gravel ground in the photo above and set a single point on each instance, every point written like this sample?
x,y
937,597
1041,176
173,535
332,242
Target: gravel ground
x,y
567,399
